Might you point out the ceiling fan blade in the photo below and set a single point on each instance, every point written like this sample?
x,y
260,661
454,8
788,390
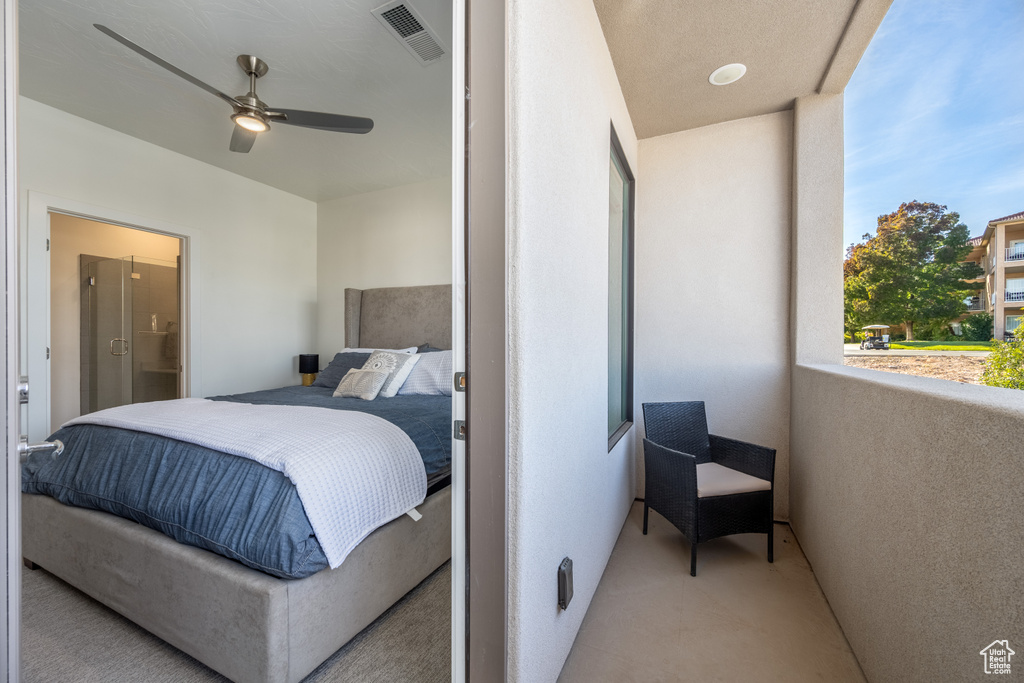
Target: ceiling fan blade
x,y
167,65
242,139
338,123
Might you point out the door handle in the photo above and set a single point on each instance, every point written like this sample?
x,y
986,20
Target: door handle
x,y
24,450
124,349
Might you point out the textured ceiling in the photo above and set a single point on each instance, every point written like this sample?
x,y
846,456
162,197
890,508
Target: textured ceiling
x,y
324,55
664,51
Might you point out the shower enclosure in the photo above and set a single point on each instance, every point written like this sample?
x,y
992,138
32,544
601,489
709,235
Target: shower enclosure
x,y
130,346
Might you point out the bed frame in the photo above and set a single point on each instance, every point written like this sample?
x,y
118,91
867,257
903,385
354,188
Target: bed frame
x,y
244,624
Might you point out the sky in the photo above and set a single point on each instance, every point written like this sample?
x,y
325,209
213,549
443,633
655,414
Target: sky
x,y
935,113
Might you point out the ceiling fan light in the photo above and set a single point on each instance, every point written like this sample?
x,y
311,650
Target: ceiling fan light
x,y
250,122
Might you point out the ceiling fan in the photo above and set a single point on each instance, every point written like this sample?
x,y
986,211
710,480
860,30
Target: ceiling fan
x,y
251,115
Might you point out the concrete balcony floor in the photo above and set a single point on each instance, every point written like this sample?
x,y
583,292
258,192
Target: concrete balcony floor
x,y
739,619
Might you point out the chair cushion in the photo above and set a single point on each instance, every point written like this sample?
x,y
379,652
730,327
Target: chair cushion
x,y
715,480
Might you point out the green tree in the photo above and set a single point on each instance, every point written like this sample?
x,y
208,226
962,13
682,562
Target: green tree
x,y
1005,365
912,271
978,327
856,308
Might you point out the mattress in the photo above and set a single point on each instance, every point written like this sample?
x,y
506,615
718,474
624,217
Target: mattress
x,y
223,503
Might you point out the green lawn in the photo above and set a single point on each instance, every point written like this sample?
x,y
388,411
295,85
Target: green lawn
x,y
943,346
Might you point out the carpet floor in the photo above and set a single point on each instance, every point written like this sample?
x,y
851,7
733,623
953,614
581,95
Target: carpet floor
x,y
68,636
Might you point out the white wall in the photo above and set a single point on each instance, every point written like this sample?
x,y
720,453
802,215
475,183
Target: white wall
x,y
71,237
568,496
398,237
907,503
257,258
817,273
905,491
712,281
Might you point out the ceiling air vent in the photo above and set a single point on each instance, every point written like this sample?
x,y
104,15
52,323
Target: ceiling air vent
x,y
409,28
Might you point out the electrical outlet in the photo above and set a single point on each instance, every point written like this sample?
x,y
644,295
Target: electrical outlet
x,y
565,583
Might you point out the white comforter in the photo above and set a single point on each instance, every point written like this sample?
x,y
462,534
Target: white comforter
x,y
353,472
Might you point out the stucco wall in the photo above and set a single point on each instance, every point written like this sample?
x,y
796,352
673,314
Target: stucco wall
x,y
906,499
397,237
817,247
905,492
712,280
257,261
568,496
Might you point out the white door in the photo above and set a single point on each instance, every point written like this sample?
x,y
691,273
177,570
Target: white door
x,y
11,508
458,119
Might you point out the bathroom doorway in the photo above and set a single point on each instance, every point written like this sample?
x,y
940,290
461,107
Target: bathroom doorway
x,y
129,331
115,316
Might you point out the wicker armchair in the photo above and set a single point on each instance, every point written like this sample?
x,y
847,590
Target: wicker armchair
x,y
706,485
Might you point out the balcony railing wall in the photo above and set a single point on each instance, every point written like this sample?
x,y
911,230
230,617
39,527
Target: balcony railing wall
x,y
900,524
1014,296
1015,253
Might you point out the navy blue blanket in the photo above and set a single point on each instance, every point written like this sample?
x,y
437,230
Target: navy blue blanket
x,y
224,503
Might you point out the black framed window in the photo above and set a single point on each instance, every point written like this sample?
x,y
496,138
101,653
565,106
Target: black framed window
x,y
621,198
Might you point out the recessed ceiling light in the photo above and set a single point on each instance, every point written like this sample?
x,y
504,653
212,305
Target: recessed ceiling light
x,y
724,75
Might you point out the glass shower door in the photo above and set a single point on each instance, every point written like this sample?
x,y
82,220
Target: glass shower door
x,y
108,360
130,347
155,312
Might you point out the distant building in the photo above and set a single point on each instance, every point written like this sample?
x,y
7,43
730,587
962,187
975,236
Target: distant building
x,y
1000,253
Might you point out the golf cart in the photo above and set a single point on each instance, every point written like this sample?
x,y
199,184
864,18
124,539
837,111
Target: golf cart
x,y
874,338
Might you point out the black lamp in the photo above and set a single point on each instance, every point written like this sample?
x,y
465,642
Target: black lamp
x,y
309,365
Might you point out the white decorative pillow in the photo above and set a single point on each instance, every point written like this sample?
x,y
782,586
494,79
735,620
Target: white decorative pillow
x,y
432,375
411,349
397,365
364,384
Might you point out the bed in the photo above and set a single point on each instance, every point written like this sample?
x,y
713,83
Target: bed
x,y
246,624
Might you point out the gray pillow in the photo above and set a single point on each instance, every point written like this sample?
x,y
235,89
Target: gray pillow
x,y
364,384
397,365
426,348
330,376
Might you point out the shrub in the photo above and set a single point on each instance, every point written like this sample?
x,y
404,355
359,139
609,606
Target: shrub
x,y
944,336
931,330
1005,366
977,327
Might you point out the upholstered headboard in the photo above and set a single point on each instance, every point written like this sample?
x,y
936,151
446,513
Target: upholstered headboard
x,y
399,317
